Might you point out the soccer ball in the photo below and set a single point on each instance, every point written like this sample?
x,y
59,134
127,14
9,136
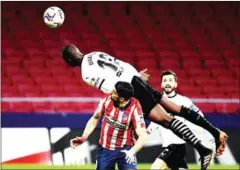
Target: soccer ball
x,y
53,17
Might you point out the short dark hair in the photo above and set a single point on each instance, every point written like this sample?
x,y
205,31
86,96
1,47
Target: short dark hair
x,y
67,54
124,90
67,51
169,72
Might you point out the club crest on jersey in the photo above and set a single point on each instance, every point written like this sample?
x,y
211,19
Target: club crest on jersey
x,y
125,117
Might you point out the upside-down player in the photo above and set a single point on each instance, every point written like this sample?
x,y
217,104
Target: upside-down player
x,y
103,71
121,114
173,152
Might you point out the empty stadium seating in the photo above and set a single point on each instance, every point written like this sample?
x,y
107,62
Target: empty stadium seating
x,y
199,41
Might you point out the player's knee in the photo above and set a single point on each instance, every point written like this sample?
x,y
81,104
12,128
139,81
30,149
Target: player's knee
x,y
159,164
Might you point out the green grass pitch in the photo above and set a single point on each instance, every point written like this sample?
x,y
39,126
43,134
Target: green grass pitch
x,y
92,166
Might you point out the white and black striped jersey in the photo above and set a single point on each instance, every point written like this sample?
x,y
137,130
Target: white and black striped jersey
x,y
103,71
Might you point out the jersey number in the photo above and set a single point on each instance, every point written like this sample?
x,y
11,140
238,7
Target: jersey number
x,y
110,65
103,64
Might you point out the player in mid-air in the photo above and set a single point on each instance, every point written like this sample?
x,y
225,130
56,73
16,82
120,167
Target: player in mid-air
x,y
121,115
103,71
173,152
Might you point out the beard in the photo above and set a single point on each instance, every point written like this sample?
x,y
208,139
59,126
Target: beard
x,y
116,103
168,89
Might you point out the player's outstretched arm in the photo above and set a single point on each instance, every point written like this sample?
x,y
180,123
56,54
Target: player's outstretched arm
x,y
91,125
93,121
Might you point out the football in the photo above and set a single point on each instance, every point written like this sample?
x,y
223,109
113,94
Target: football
x,y
53,17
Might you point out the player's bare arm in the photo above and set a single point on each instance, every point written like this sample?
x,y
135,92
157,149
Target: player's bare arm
x,y
142,137
91,125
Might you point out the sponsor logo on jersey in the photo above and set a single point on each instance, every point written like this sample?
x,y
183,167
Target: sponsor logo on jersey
x,y
115,123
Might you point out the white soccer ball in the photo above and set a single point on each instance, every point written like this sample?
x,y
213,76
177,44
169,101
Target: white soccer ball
x,y
53,17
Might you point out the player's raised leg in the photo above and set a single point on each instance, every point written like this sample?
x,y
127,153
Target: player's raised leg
x,y
192,116
160,116
189,114
156,113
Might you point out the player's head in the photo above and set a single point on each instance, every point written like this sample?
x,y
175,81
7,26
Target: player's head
x,y
122,93
71,55
169,81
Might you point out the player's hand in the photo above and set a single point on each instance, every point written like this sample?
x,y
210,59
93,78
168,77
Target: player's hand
x,y
130,157
144,75
77,141
223,140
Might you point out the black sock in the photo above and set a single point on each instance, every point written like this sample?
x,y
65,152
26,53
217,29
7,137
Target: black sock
x,y
182,131
197,119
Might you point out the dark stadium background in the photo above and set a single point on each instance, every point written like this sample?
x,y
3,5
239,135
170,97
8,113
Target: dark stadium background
x,y
199,41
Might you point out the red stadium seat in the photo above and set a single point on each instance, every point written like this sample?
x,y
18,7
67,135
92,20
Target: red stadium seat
x,y
206,82
169,64
214,63
198,72
146,63
5,107
192,63
217,72
206,107
226,81
227,108
231,90
216,94
159,36
211,90
191,93
189,54
168,54
42,107
21,107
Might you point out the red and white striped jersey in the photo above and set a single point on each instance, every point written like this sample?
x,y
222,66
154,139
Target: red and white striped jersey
x,y
118,125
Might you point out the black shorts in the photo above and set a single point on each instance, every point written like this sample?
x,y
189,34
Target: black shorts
x,y
174,156
146,95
